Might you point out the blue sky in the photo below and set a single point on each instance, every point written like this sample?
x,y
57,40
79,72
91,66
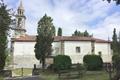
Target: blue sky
x,y
96,16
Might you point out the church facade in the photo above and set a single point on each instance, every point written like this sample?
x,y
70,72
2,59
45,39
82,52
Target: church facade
x,y
22,45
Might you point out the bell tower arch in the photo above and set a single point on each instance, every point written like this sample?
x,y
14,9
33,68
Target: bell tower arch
x,y
20,21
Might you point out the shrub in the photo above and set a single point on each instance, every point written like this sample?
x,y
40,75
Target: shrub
x,y
81,67
93,62
62,62
115,58
116,61
116,64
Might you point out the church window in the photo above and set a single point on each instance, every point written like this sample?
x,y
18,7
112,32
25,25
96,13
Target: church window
x,y
77,49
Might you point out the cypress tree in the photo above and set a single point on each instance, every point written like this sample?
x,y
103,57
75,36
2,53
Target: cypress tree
x,y
5,21
86,34
43,46
119,43
59,31
114,42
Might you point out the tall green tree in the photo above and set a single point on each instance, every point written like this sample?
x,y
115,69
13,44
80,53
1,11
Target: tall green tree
x,y
116,55
44,39
54,31
86,33
5,21
119,43
75,33
114,42
59,31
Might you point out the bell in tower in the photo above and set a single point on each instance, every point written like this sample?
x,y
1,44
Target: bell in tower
x,y
20,21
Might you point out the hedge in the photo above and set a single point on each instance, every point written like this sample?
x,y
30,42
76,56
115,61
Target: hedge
x,y
62,62
93,62
116,61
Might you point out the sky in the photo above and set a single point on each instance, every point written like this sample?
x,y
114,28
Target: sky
x,y
98,17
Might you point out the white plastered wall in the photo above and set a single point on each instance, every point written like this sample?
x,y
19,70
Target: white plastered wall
x,y
24,55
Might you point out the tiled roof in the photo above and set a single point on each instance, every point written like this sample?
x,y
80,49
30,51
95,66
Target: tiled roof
x,y
101,41
30,38
72,38
76,38
24,38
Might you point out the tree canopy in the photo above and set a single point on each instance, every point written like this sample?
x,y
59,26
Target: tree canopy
x,y
116,54
44,39
5,21
81,34
59,31
115,42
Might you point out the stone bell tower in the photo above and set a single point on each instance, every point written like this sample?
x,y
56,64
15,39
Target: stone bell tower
x,y
20,21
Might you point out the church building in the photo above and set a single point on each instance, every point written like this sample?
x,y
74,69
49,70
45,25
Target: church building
x,y
22,45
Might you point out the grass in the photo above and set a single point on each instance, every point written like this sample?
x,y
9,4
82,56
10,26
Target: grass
x,y
96,75
1,78
49,77
90,75
26,71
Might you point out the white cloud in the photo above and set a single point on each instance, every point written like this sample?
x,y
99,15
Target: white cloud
x,y
104,29
72,15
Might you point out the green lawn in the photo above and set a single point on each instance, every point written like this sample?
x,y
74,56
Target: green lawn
x,y
1,78
90,75
26,71
96,75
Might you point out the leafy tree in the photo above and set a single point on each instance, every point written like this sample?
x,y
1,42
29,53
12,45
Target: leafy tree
x,y
116,65
117,1
86,33
116,54
44,39
119,43
59,31
93,62
76,32
54,31
81,34
114,42
62,62
5,21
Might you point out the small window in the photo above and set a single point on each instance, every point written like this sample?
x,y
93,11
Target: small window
x,y
77,49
